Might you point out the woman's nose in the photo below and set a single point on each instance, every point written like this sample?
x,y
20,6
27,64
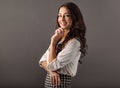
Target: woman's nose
x,y
63,18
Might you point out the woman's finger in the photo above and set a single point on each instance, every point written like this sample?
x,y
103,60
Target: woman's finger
x,y
51,79
58,81
60,31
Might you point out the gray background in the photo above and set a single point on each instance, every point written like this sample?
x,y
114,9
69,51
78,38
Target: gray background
x,y
25,30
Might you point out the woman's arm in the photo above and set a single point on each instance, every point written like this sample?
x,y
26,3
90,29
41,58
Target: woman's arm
x,y
54,76
66,56
43,64
54,40
52,53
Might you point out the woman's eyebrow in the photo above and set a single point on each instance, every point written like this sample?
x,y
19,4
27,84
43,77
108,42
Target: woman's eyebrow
x,y
64,13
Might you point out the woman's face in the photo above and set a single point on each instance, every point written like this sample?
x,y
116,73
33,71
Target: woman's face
x,y
64,18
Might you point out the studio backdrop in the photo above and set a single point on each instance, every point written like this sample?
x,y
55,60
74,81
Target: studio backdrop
x,y
25,30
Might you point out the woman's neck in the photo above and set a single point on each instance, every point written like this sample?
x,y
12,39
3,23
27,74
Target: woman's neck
x,y
66,31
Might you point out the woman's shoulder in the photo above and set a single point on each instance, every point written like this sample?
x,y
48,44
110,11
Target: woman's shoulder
x,y
74,41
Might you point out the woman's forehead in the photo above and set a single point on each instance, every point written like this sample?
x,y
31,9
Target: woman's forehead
x,y
64,10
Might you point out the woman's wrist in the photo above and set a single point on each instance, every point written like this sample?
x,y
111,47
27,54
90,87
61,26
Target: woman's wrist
x,y
53,44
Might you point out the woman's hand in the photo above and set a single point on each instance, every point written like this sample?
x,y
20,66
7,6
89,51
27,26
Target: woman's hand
x,y
57,36
55,78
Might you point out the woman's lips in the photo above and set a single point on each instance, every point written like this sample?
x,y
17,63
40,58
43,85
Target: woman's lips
x,y
64,24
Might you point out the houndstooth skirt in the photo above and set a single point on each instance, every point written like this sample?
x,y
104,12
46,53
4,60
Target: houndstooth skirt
x,y
65,81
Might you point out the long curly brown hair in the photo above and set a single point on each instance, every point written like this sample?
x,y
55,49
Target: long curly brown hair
x,y
78,28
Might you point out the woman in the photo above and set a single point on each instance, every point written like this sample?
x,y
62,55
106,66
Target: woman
x,y
67,45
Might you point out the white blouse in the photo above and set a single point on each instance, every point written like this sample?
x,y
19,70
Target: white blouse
x,y
67,59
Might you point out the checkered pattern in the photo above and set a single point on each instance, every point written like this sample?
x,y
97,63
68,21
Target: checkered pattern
x,y
65,82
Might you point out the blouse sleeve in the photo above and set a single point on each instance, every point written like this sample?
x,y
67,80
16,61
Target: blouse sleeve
x,y
66,56
44,57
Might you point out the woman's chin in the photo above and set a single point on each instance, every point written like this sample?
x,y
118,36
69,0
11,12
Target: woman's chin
x,y
63,27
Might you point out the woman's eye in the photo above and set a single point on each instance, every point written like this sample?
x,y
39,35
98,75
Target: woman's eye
x,y
59,16
67,15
